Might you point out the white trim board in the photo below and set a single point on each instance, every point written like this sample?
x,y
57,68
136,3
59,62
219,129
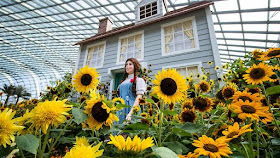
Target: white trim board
x,y
213,39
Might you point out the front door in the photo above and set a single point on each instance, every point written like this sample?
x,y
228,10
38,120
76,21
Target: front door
x,y
118,79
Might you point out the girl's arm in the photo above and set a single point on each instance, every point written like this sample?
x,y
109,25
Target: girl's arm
x,y
136,103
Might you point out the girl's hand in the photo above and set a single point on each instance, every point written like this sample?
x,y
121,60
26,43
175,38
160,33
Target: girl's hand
x,y
128,117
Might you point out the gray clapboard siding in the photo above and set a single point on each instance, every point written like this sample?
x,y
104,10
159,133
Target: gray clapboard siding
x,y
152,48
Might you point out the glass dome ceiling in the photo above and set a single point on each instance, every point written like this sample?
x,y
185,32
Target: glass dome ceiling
x,y
37,37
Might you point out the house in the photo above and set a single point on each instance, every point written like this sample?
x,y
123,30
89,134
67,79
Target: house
x,y
183,39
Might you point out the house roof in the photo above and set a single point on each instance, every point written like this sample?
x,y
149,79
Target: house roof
x,y
131,26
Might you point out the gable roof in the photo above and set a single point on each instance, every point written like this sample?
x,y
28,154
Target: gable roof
x,y
174,13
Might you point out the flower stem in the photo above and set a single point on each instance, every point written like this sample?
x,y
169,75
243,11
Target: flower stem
x,y
203,125
247,155
160,123
249,135
21,152
60,134
258,145
270,110
45,142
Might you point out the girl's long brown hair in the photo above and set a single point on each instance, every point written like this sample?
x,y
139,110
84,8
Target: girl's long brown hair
x,y
137,67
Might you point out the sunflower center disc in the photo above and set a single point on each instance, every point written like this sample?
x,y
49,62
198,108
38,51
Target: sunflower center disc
x,y
244,98
168,86
188,116
210,147
273,53
257,73
203,87
228,93
248,109
98,113
200,103
253,91
86,79
230,135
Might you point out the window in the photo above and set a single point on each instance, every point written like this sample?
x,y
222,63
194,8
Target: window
x,y
131,46
179,37
188,70
95,55
148,10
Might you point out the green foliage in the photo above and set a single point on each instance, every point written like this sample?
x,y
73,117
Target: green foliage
x,y
28,143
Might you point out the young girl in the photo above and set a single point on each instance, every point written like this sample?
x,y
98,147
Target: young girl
x,y
131,89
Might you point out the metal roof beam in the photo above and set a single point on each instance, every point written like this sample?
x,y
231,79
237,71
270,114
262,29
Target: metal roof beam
x,y
256,32
247,10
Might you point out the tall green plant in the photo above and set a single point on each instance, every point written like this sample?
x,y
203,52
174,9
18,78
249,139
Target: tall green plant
x,y
9,91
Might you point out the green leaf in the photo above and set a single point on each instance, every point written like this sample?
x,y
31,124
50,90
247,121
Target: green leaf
x,y
138,125
169,112
177,147
122,106
181,132
273,90
28,143
164,152
150,100
79,115
275,141
190,127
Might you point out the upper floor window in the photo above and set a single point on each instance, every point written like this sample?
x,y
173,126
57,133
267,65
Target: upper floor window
x,y
95,55
148,10
131,46
179,37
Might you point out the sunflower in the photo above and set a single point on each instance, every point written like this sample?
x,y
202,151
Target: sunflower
x,y
267,118
271,53
80,141
187,104
136,109
245,96
265,135
145,115
49,113
118,101
82,99
253,90
212,82
129,145
189,155
204,86
83,148
248,109
8,127
98,112
204,77
86,79
187,116
219,79
258,73
157,118
169,86
228,91
209,62
217,68
150,112
218,132
212,148
202,104
257,53
197,76
234,131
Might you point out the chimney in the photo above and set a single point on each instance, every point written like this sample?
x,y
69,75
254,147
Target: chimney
x,y
105,25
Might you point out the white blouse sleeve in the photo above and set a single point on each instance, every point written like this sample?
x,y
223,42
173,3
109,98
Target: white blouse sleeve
x,y
140,86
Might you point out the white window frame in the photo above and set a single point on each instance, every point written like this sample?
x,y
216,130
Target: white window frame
x,y
138,11
195,35
196,63
93,45
126,36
